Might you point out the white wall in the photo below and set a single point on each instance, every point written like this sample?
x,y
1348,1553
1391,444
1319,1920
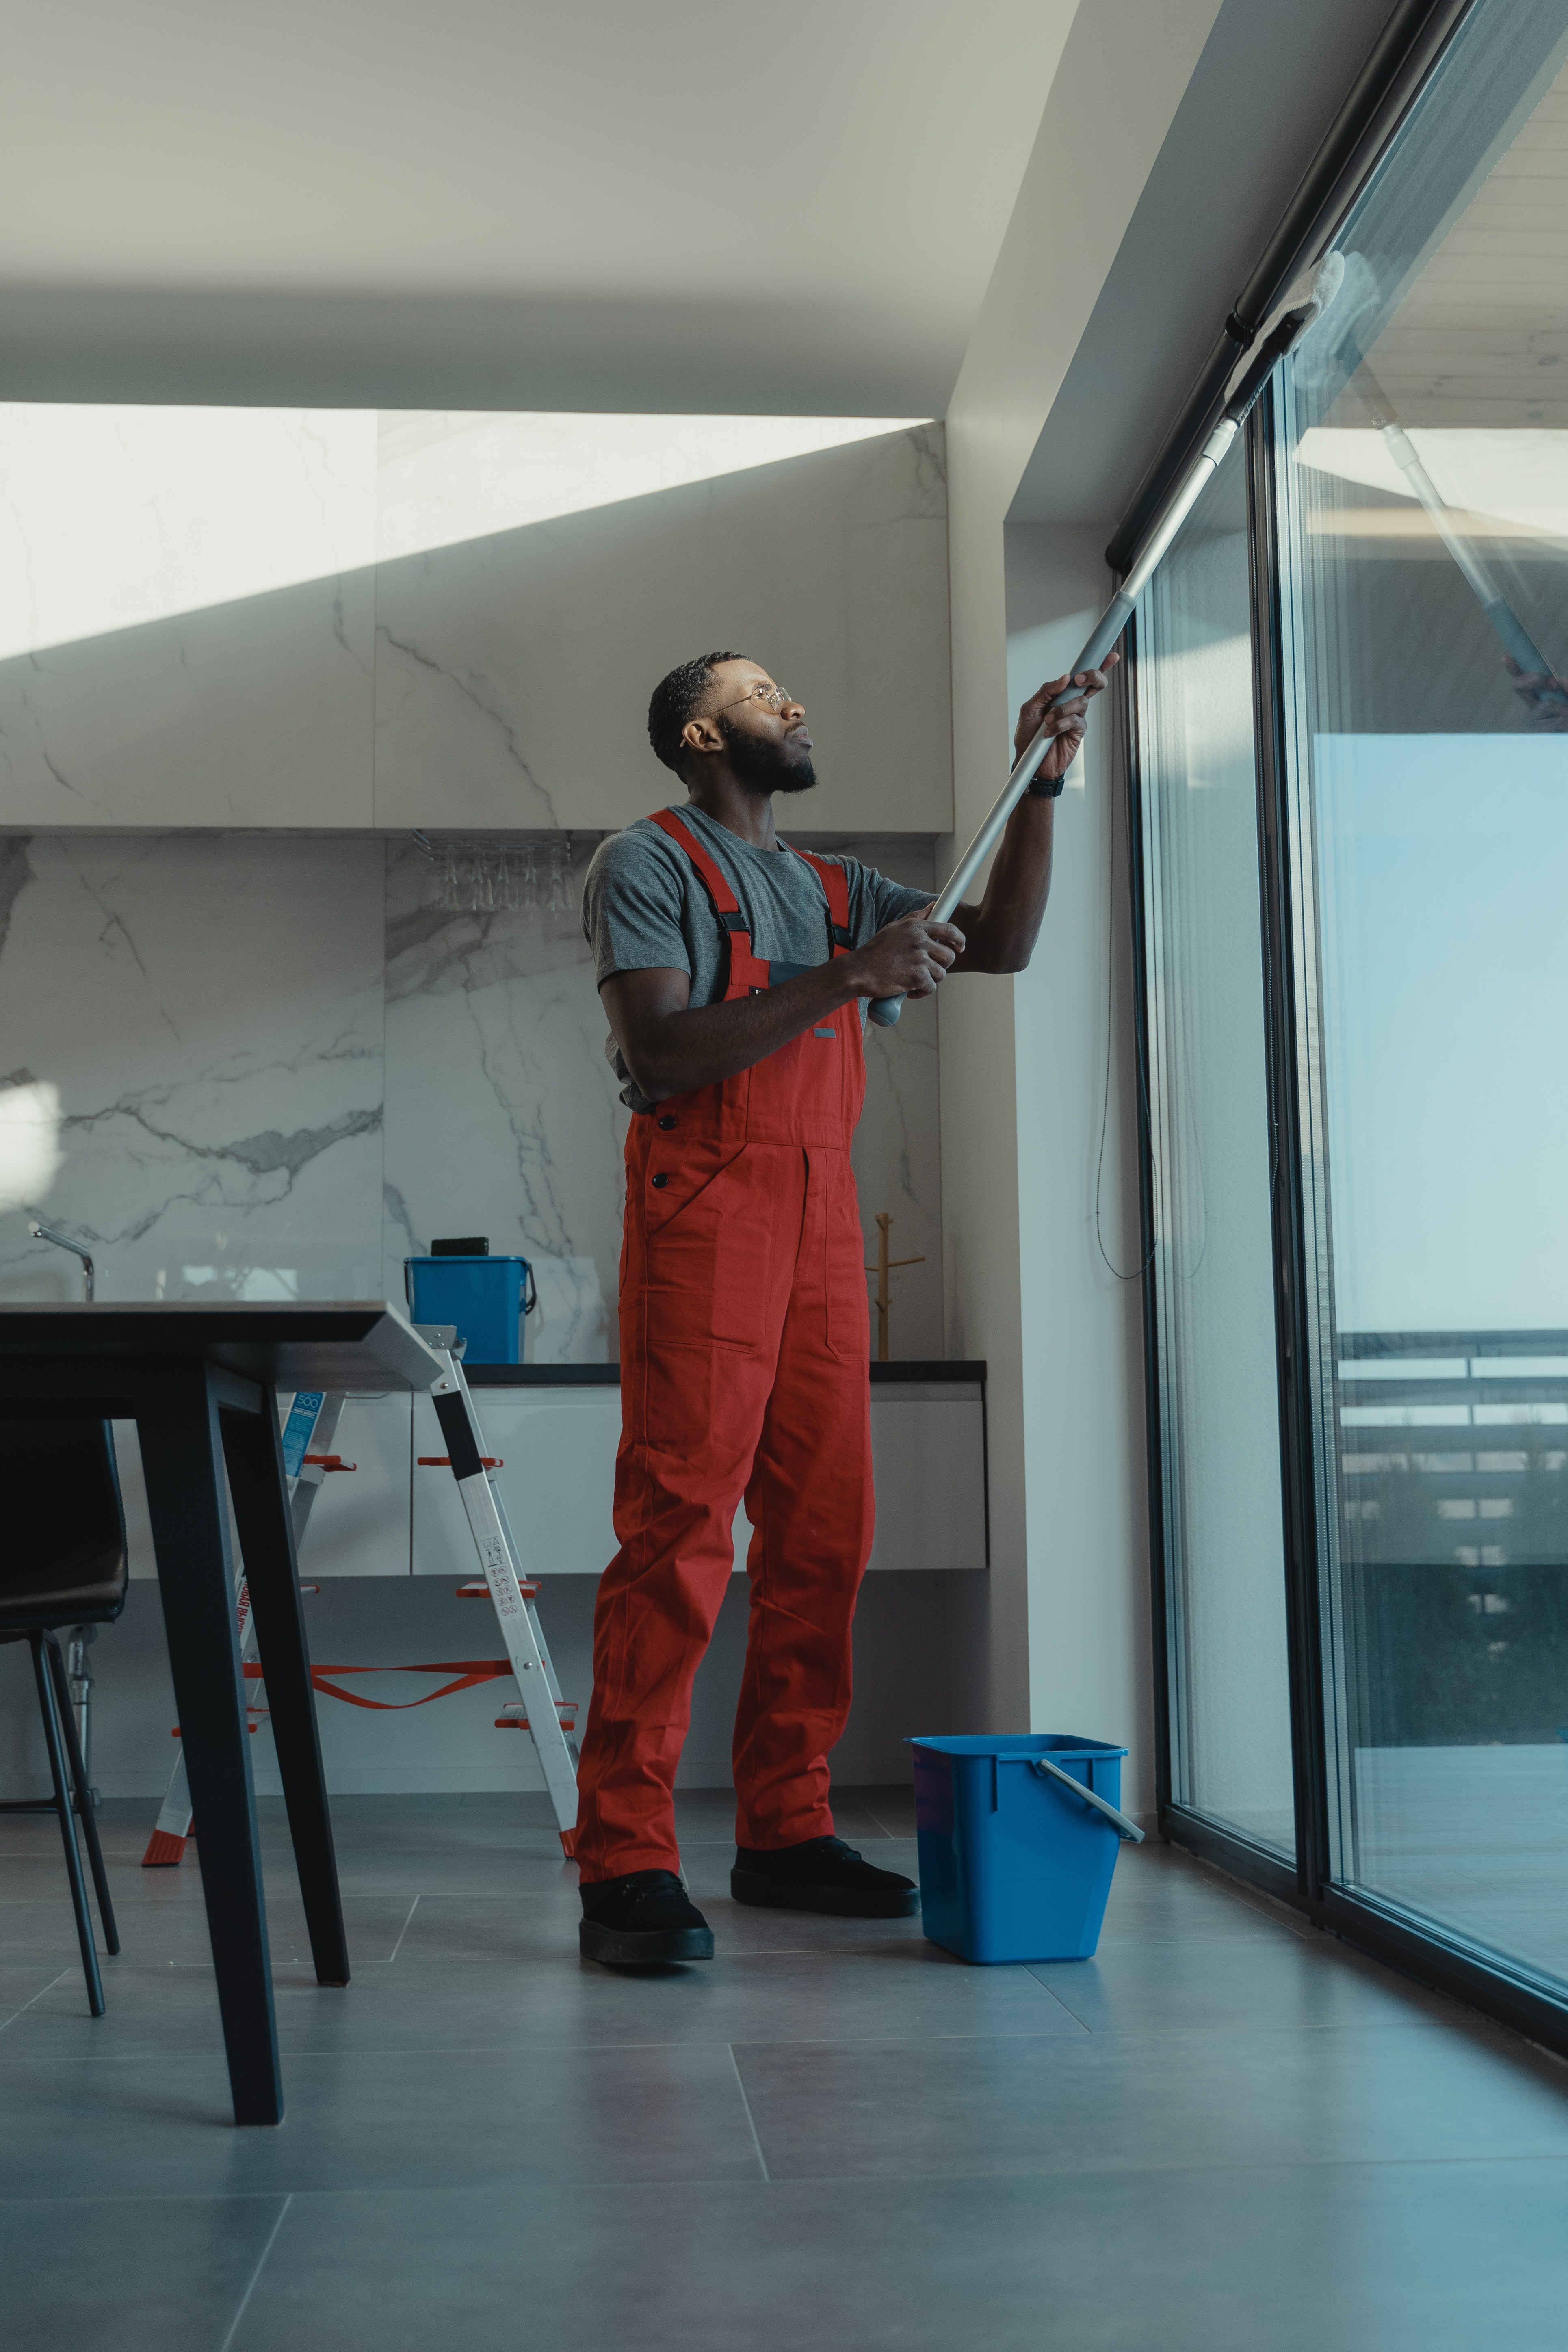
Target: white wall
x,y
1023,1058
1082,1364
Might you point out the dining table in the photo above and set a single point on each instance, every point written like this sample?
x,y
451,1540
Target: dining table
x,y
201,1379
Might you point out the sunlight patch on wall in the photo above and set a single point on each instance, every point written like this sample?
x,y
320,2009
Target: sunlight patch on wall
x,y
442,478
114,516
1503,483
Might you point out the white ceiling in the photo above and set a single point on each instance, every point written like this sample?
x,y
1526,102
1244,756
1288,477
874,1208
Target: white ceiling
x,y
712,205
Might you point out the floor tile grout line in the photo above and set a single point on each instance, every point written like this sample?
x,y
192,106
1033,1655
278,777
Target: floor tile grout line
x,y
27,2005
658,2184
740,2085
336,2053
1502,2039
255,2273
408,1923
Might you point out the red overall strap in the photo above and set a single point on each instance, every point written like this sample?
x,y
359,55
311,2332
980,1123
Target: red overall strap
x,y
835,882
726,906
724,899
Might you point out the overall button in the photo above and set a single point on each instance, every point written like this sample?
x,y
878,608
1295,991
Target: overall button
x,y
660,1181
667,1123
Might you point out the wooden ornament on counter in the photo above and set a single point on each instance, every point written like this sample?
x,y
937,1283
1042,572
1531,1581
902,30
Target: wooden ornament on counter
x,y
884,1266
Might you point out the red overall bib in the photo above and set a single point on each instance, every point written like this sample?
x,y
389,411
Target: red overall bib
x,y
745,1352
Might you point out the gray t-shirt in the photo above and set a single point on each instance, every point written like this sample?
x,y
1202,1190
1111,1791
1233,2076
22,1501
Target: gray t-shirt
x,y
645,909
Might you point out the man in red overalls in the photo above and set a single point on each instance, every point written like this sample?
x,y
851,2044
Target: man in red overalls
x,y
735,972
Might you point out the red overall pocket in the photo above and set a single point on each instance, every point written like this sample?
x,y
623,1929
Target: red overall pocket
x,y
707,1256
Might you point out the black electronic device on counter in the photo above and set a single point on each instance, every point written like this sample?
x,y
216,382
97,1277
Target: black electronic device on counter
x,y
464,1245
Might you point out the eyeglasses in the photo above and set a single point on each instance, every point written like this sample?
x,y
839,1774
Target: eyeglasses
x,y
770,698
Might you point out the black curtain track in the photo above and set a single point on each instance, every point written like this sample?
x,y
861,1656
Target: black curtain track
x,y
1406,51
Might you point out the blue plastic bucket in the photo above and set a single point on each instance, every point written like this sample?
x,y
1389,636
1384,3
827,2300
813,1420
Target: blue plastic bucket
x,y
482,1296
1013,1865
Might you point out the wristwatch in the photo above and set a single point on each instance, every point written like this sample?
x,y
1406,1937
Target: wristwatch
x,y
1047,788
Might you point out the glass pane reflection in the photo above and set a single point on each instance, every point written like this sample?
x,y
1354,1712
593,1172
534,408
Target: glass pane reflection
x,y
1229,1690
1422,485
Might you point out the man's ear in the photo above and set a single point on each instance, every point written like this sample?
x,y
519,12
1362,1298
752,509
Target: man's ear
x,y
702,735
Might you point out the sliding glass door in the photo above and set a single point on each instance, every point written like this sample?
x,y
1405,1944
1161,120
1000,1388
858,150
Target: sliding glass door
x,y
1351,792
1422,489
1211,1263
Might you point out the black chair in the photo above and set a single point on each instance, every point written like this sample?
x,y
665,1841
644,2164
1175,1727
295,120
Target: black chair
x,y
62,1562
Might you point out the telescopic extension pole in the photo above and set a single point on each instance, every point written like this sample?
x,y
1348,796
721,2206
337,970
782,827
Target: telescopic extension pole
x,y
1517,642
1307,297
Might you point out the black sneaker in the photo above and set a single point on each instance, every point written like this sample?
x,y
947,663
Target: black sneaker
x,y
822,1874
647,1915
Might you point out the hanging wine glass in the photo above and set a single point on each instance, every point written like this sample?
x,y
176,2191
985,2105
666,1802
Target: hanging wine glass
x,y
530,892
509,892
556,903
450,880
485,896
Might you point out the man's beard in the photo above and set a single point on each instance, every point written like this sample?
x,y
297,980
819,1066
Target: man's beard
x,y
765,766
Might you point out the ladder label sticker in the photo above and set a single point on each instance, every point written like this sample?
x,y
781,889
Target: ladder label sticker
x,y
499,1577
297,1429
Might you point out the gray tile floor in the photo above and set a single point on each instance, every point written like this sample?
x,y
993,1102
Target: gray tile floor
x,y
1226,2131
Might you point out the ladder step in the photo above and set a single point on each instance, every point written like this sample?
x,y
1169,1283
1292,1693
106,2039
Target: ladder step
x,y
444,1461
479,1590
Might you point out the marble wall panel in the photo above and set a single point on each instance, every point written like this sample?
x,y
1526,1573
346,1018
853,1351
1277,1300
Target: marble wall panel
x,y
309,619
502,1114
186,618
270,1068
514,669
194,1078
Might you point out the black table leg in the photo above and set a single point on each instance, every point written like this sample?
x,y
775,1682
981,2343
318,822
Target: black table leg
x,y
183,1462
47,1706
254,1452
89,1838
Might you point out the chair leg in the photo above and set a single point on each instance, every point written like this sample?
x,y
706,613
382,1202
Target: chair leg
x,y
67,1827
84,1804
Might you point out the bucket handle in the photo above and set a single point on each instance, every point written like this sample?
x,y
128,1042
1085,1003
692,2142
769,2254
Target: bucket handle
x,y
1047,1769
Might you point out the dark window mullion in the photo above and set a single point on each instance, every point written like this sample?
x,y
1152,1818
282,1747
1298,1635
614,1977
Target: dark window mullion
x,y
1295,1353
1147,1224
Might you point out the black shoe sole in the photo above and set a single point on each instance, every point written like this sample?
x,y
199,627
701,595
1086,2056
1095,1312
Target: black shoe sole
x,y
620,1950
839,1902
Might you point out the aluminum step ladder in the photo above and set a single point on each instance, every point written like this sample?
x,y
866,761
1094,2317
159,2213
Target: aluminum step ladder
x,y
539,1704
308,1460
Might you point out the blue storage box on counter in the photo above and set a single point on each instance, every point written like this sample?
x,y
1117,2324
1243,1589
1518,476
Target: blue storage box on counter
x,y
486,1297
1014,1867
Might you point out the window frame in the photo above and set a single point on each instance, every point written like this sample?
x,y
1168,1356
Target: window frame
x,y
1422,1949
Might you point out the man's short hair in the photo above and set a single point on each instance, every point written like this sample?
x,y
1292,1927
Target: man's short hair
x,y
676,699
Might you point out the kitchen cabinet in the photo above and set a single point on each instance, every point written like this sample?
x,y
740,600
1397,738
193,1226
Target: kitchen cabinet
x,y
558,1450
557,1445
